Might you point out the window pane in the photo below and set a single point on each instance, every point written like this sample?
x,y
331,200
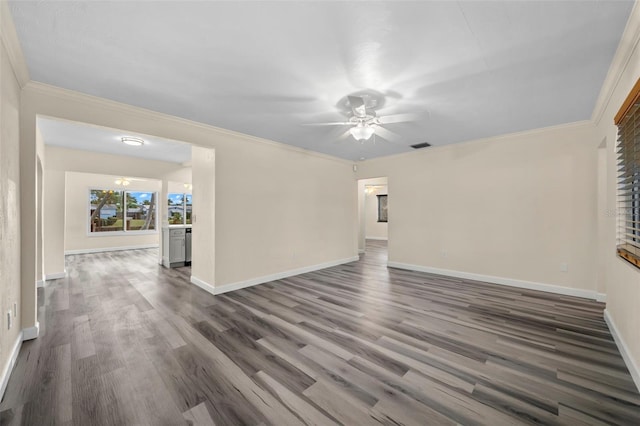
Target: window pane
x,y
382,208
176,209
141,211
189,207
106,210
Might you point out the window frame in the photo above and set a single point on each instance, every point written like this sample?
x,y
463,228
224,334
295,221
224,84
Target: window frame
x,y
379,198
184,208
124,215
628,199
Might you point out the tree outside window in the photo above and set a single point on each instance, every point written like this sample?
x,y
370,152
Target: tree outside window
x,y
116,210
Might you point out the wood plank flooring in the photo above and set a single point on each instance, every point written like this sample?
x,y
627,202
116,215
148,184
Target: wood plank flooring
x,y
127,342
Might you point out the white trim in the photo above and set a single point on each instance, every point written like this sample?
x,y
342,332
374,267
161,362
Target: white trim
x,y
377,238
6,372
531,285
623,348
124,231
39,283
145,114
31,333
12,45
452,146
56,276
121,233
268,278
203,285
105,249
626,48
601,297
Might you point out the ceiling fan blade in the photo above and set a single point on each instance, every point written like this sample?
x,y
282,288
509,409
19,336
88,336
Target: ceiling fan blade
x,y
335,123
343,136
388,135
398,118
358,106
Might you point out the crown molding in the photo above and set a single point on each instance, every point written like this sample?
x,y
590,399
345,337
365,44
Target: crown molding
x,y
455,145
43,89
626,48
11,44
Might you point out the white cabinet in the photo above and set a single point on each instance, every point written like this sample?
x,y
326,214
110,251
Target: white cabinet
x,y
173,247
176,247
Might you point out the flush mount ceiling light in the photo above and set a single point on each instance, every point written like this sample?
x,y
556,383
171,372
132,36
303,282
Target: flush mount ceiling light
x,y
122,181
132,141
362,132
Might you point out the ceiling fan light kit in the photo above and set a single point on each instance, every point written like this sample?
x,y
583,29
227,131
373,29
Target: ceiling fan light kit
x,y
122,181
362,132
364,122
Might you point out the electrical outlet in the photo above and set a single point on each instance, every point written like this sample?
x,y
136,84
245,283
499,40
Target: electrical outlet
x,y
564,267
443,253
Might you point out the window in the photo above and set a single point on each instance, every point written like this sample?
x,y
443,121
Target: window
x,y
179,208
188,208
140,211
628,149
121,211
382,208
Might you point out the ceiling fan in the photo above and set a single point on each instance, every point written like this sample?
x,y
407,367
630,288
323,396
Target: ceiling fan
x,y
365,122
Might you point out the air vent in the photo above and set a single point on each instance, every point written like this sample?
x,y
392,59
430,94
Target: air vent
x,y
420,145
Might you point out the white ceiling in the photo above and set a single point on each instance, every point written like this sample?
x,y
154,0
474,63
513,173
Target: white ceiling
x,y
74,135
469,69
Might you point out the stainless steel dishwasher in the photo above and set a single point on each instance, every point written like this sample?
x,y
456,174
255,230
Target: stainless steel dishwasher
x,y
187,246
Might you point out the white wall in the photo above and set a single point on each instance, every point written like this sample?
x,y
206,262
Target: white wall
x,y
10,213
622,280
77,238
53,223
63,160
40,160
278,208
178,187
374,229
515,207
203,259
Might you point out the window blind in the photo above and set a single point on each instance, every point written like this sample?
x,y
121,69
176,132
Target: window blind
x,y
628,150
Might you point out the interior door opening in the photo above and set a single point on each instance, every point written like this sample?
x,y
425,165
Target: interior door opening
x,y
373,213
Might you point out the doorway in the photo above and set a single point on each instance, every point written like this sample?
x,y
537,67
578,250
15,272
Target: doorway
x,y
373,214
39,223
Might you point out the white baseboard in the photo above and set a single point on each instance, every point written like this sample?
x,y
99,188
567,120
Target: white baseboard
x,y
6,372
601,297
623,348
376,238
55,276
31,333
361,251
39,283
531,285
203,284
105,249
278,276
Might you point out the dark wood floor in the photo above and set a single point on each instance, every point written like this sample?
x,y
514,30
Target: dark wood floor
x,y
126,342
